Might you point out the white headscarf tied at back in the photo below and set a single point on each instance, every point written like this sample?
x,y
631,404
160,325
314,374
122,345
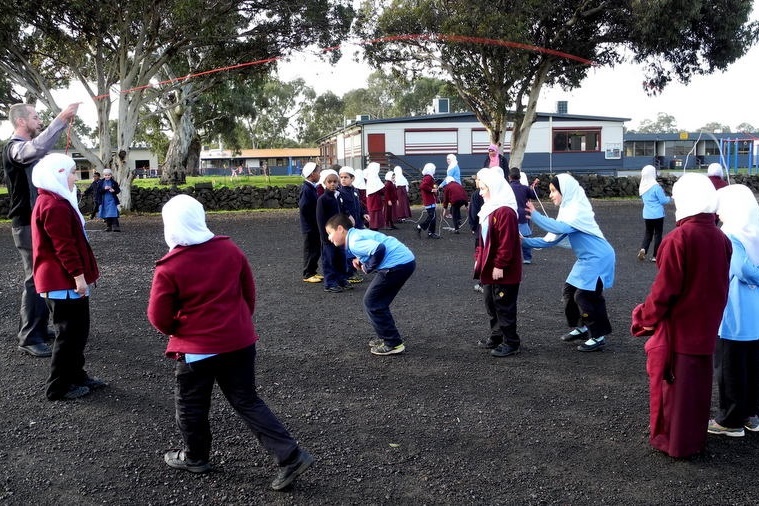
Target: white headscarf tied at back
x,y
693,194
501,193
714,169
452,161
400,179
373,181
523,178
429,169
328,172
52,174
389,175
359,183
575,208
184,222
647,179
739,212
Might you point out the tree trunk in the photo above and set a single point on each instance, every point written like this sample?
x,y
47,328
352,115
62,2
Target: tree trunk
x,y
183,155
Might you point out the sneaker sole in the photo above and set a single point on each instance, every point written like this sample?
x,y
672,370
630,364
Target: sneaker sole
x,y
599,347
727,433
501,355
182,466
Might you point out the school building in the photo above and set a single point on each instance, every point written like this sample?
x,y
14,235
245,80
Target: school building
x,y
285,161
558,142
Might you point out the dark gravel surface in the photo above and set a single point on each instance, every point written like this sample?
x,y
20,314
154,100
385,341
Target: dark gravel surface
x,y
445,423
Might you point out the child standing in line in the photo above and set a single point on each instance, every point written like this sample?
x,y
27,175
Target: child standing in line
x,y
64,267
736,359
391,200
393,264
108,190
403,209
654,201
208,315
375,193
498,261
312,245
92,189
428,189
455,195
584,303
350,203
333,258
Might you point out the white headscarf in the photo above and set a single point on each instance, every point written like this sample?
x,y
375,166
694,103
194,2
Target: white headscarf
x,y
329,172
647,179
693,194
575,208
348,170
448,179
429,169
400,179
739,213
523,178
52,174
714,169
452,161
389,175
184,222
308,169
359,183
500,192
373,181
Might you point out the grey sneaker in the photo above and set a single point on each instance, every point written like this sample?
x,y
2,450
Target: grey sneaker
x,y
373,343
715,428
642,255
288,473
752,423
178,460
388,350
505,350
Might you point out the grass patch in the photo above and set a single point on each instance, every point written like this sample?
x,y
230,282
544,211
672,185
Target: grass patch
x,y
225,181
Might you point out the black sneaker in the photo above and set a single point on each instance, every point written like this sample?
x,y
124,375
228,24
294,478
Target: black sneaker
x,y
419,231
505,350
288,473
433,236
346,287
334,289
178,460
574,335
488,343
38,350
593,344
94,383
75,392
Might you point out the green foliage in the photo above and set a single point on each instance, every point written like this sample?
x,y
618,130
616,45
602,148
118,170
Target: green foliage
x,y
665,123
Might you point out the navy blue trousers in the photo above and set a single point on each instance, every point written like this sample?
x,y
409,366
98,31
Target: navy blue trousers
x,y
380,294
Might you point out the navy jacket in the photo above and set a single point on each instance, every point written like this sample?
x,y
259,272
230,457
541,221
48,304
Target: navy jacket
x,y
307,205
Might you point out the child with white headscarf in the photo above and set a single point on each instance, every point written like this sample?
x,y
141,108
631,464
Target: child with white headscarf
x,y
64,267
654,200
715,175
682,313
403,209
203,297
391,199
375,193
428,189
737,354
584,303
498,261
453,169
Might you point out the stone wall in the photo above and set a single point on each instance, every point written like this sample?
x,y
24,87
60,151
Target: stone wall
x,y
248,197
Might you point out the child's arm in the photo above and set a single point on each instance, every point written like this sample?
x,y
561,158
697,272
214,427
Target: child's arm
x,y
161,310
375,259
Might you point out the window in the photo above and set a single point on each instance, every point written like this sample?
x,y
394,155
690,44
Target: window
x,y
711,148
430,142
677,148
576,140
744,147
640,148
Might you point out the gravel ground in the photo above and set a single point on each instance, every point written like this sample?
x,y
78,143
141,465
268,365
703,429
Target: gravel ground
x,y
445,423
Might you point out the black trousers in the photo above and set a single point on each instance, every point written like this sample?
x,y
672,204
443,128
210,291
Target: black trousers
x,y
235,374
71,318
380,294
736,365
429,222
501,305
312,250
334,265
654,230
583,307
456,213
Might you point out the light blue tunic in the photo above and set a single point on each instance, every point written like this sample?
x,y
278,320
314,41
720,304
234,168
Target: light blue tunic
x,y
363,243
595,256
654,201
739,320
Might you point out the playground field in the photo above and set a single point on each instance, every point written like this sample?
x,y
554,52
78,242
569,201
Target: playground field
x,y
444,423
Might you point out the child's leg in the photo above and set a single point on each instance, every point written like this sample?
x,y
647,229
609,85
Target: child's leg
x,y
503,321
235,372
456,213
571,310
331,278
648,235
432,220
71,318
380,294
658,227
192,401
593,310
526,231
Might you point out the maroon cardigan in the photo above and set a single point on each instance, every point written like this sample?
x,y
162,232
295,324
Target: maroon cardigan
x,y
204,296
689,292
60,250
502,248
453,192
425,187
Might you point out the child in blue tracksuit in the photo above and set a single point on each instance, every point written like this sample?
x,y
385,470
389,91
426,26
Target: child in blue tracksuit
x,y
393,264
654,201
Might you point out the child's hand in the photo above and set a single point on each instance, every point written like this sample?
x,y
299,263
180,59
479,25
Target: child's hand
x,y
356,264
497,273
